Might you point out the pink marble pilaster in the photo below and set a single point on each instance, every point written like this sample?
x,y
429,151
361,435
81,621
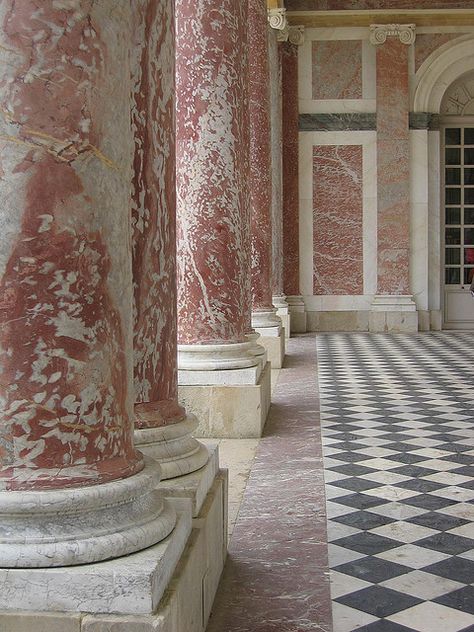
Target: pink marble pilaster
x,y
276,168
65,293
393,192
260,155
211,75
290,115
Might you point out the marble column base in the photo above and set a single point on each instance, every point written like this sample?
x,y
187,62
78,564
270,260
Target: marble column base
x,y
190,584
297,310
194,486
234,410
275,347
81,525
174,447
393,313
256,349
283,311
216,357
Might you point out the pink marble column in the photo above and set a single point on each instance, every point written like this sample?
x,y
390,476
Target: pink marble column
x,y
290,145
263,311
162,426
66,436
393,186
211,184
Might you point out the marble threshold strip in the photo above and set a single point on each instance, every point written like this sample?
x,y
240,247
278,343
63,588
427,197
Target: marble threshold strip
x,y
276,577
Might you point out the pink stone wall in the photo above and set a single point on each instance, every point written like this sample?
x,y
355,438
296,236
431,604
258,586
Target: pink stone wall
x,y
427,43
337,219
260,154
360,5
393,186
154,212
337,69
65,289
290,114
212,168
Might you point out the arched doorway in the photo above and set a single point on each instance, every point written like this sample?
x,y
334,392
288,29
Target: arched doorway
x,y
457,202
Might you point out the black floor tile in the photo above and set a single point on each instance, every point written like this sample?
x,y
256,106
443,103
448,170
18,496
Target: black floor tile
x,y
427,501
378,601
383,625
420,485
368,543
462,599
438,521
363,520
448,543
355,484
361,501
415,471
352,469
373,569
456,568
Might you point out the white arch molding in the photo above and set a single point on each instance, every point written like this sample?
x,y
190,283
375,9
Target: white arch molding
x,y
438,72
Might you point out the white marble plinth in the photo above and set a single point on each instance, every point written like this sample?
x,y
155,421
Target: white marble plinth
x,y
393,321
297,310
283,311
84,524
186,605
194,486
230,410
174,447
275,348
131,584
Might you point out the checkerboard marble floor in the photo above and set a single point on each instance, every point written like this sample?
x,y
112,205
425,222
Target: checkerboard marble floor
x,y
398,435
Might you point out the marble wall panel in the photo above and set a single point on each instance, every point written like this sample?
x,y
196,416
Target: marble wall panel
x,y
337,69
337,217
427,43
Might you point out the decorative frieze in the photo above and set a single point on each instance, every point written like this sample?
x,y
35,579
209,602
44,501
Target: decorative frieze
x,y
406,33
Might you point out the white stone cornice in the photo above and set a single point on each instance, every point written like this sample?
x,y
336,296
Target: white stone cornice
x,y
405,32
296,35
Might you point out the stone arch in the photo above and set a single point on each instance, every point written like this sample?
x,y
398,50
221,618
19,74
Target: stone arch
x,y
437,73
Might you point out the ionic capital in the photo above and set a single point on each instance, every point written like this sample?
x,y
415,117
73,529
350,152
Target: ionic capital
x,y
296,35
406,33
277,19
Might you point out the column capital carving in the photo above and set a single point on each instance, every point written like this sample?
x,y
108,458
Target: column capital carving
x,y
296,35
277,19
406,33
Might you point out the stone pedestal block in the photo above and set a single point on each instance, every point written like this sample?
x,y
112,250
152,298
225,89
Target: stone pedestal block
x,y
395,313
275,348
233,411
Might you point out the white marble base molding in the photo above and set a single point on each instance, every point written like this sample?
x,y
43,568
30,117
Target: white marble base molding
x,y
229,410
266,319
297,312
79,525
215,357
256,349
174,447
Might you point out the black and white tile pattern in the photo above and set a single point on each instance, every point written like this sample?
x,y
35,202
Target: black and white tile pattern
x,y
398,434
